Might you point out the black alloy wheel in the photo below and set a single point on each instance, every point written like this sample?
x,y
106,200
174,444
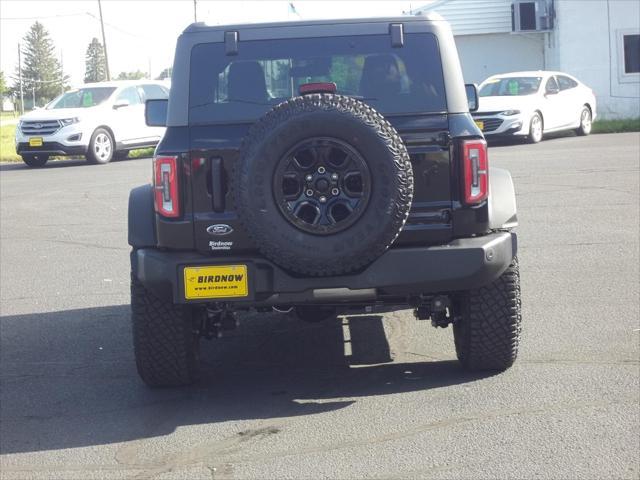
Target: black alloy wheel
x,y
322,185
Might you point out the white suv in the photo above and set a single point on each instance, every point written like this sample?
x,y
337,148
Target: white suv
x,y
101,121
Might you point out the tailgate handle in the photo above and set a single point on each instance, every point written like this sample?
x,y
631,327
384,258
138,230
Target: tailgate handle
x,y
217,190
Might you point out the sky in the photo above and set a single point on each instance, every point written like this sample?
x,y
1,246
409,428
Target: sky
x,y
141,34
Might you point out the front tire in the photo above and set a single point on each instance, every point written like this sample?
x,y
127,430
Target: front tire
x,y
585,122
487,331
101,147
35,161
536,128
164,339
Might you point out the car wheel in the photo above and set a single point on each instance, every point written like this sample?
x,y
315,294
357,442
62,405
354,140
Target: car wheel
x,y
535,128
304,184
487,325
35,161
585,122
165,343
101,147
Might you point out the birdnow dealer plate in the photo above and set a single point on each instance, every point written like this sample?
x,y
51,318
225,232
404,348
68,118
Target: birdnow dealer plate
x,y
35,142
220,281
480,124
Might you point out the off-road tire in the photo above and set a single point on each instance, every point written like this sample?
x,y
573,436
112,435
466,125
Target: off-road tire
x,y
350,121
487,332
35,161
164,340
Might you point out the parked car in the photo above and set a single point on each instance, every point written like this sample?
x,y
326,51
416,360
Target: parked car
x,y
101,121
530,104
323,168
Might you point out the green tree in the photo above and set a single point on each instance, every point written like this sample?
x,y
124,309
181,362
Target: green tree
x,y
137,75
40,67
3,85
166,73
94,70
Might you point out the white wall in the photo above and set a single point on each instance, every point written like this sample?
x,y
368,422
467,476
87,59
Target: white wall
x,y
469,17
584,43
484,55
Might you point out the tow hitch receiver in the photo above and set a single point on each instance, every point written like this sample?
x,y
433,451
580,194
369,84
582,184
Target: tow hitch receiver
x,y
214,321
438,309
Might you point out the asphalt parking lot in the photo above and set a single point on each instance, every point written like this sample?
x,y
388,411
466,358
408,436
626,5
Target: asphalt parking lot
x,y
281,399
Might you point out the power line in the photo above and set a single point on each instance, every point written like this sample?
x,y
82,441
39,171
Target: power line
x,y
117,28
33,80
44,16
79,14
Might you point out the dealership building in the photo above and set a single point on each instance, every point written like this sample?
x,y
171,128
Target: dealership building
x,y
597,41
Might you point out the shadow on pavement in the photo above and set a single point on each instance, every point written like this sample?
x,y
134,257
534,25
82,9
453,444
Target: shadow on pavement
x,y
64,163
68,378
48,166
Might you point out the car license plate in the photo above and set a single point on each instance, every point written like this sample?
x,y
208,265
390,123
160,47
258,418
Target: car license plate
x,y
480,124
220,281
35,142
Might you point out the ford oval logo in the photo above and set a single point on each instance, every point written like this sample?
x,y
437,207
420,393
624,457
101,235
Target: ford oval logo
x,y
219,229
37,126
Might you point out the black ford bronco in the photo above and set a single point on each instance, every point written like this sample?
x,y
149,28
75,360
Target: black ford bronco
x,y
320,167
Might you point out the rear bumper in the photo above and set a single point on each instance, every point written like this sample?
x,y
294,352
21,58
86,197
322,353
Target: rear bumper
x,y
399,272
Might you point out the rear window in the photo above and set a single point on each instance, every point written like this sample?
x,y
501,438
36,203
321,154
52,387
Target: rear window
x,y
244,87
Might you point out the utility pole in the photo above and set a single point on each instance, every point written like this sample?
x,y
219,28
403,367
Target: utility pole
x,y
104,42
61,72
20,73
195,11
33,97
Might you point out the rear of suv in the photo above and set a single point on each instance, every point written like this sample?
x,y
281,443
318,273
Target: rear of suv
x,y
321,168
100,121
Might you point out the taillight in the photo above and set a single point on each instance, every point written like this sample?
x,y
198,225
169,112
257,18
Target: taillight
x,y
475,167
165,184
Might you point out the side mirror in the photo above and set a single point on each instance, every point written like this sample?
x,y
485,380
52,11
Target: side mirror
x,y
472,96
155,112
121,103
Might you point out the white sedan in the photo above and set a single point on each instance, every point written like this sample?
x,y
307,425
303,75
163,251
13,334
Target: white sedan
x,y
530,104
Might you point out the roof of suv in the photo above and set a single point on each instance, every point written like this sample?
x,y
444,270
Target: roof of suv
x,y
200,33
203,27
121,83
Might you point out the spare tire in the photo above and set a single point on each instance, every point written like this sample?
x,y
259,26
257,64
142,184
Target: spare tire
x,y
323,184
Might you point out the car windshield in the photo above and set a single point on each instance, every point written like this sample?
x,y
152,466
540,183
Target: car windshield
x,y
82,98
510,86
